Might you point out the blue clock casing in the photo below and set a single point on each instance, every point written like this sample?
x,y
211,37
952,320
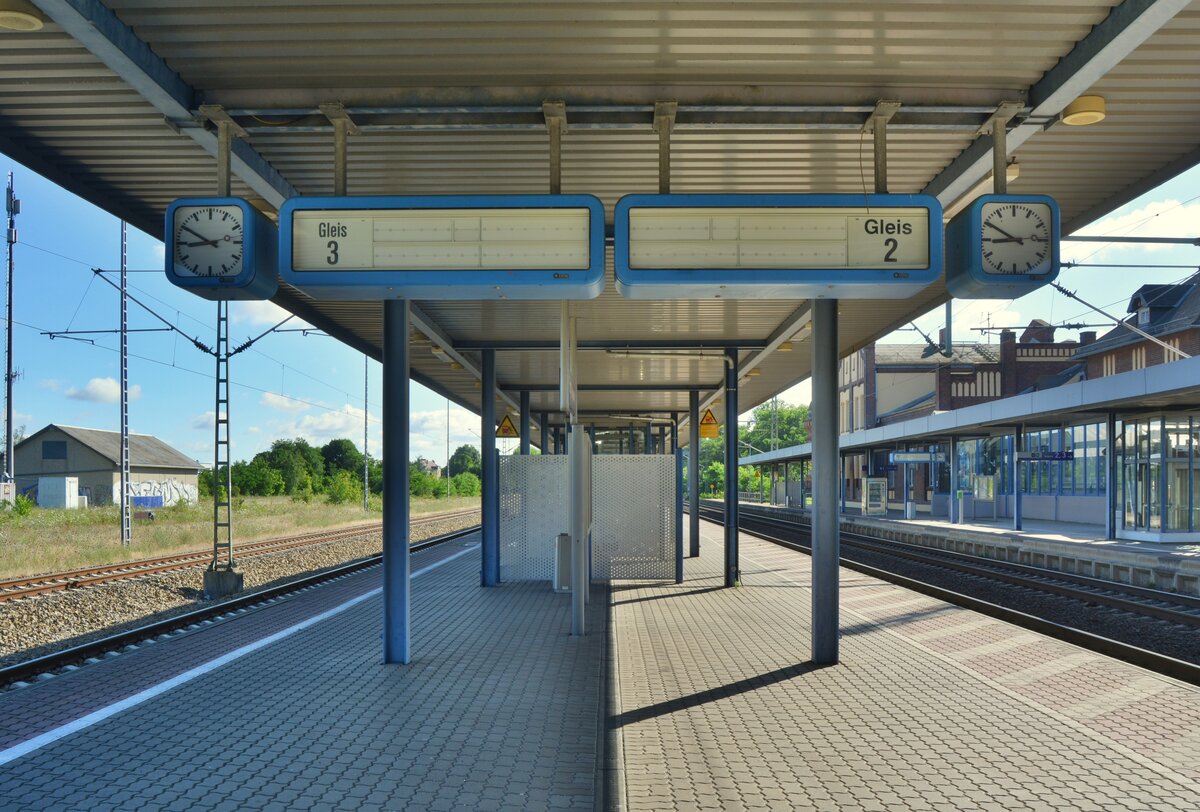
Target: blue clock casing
x,y
1002,247
221,248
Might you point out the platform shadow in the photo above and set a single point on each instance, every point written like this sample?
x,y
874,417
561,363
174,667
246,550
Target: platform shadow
x,y
898,620
713,694
664,595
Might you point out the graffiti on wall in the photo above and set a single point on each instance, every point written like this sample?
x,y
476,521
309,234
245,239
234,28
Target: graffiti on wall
x,y
172,491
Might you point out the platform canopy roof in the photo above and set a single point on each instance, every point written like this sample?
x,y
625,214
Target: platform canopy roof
x,y
448,98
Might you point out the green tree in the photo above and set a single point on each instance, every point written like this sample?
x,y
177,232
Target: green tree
x,y
299,464
343,488
465,459
712,479
341,455
256,478
786,421
423,484
465,484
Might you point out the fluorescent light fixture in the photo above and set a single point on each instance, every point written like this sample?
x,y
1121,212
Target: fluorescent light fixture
x,y
784,347
984,186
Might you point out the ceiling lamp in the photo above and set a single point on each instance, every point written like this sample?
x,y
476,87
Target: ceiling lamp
x,y
1083,111
20,15
455,365
755,372
784,347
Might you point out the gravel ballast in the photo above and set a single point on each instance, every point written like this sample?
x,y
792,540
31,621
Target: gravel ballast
x,y
42,624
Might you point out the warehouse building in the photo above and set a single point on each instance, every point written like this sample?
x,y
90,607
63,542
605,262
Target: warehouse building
x,y
159,474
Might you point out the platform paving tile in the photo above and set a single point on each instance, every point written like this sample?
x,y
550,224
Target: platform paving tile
x,y
499,709
719,708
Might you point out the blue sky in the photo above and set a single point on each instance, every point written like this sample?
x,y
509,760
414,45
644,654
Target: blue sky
x,y
290,385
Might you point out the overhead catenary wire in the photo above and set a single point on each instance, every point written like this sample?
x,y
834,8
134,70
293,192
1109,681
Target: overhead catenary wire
x,y
1121,322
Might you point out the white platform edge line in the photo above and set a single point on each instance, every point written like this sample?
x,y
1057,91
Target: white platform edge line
x,y
49,737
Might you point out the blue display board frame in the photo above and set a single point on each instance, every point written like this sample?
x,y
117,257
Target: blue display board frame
x,y
256,281
743,283
434,284
966,277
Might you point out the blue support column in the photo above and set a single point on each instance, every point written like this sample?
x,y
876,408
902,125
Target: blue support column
x,y
662,439
954,475
544,431
1110,477
679,515
826,539
732,576
674,432
694,474
648,447
632,445
491,487
396,559
1018,447
525,419
620,443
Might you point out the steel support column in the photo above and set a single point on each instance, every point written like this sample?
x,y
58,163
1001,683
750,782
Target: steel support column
x,y
490,514
525,420
732,576
632,445
578,461
678,515
694,473
1018,447
1110,477
543,431
825,541
648,448
396,557
954,475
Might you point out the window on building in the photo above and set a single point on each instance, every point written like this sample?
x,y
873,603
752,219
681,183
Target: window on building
x,y
1139,358
1143,316
54,449
1110,364
1168,355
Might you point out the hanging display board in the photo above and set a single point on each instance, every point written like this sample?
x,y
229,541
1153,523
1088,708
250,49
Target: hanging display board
x,y
794,246
443,247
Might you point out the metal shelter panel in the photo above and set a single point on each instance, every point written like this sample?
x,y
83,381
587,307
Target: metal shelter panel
x,y
533,511
633,517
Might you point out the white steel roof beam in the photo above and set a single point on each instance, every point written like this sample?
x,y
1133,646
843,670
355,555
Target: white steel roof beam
x,y
1125,28
99,30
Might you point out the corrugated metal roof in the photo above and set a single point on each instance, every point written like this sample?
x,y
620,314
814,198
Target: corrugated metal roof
x,y
449,94
145,451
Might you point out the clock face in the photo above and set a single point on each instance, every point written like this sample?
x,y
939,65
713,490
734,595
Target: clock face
x,y
208,240
1016,238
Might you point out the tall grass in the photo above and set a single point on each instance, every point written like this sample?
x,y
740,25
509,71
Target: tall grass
x,y
51,540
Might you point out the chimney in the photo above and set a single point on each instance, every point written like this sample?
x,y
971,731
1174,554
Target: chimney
x,y
1087,337
1007,337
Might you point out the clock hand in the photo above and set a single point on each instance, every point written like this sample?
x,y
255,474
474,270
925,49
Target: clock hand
x,y
1005,233
201,236
212,243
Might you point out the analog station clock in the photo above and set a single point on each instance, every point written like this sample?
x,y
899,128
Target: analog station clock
x,y
1002,246
221,248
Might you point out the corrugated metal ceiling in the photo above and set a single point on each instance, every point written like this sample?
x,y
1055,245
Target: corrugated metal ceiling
x,y
67,115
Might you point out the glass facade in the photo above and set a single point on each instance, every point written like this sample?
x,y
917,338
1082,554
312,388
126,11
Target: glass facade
x,y
1157,482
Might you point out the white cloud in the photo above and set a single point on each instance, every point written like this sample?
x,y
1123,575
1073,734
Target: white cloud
x,y
50,384
253,430
205,420
262,314
427,432
103,390
283,403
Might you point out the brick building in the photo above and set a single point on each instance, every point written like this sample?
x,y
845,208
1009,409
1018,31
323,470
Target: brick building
x,y
1168,312
887,383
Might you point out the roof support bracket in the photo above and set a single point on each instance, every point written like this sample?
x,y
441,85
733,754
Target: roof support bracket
x,y
555,113
227,128
343,126
664,123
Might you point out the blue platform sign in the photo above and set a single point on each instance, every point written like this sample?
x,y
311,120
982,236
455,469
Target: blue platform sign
x,y
748,246
1045,456
1002,247
443,247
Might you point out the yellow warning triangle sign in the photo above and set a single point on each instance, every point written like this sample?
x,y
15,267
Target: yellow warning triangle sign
x,y
708,419
708,426
506,428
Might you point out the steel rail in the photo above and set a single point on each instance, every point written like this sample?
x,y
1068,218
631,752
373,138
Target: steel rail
x,y
1160,663
49,663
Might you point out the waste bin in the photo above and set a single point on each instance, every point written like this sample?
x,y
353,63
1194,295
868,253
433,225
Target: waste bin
x,y
562,563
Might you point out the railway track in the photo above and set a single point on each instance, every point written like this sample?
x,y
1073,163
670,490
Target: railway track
x,y
14,675
1139,603
15,588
